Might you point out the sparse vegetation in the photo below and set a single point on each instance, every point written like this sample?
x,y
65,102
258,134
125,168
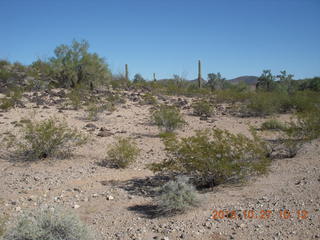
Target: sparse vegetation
x,y
202,108
305,126
168,118
49,224
12,98
273,124
177,196
149,99
122,153
48,138
214,156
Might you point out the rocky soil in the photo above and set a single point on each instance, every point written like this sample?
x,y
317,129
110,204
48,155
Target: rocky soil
x,y
118,203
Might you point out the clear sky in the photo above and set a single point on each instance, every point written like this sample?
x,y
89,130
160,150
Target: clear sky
x,y
234,37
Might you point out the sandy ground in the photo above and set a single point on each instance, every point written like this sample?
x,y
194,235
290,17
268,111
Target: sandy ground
x,y
117,202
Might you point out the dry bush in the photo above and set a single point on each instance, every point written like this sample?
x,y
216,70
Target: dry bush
x,y
177,197
49,224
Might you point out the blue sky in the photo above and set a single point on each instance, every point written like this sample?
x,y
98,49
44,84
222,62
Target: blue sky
x,y
234,37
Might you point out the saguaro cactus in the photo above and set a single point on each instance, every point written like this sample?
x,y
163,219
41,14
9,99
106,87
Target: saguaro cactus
x,y
199,74
126,72
154,77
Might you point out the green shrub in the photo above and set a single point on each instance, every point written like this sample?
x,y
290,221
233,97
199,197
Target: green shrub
x,y
76,96
93,112
116,99
122,153
231,95
47,224
3,221
149,99
305,126
11,99
214,156
168,118
48,138
273,124
177,196
74,65
202,108
263,103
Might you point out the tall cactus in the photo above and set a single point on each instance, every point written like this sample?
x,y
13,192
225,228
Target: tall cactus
x,y
154,77
126,72
199,74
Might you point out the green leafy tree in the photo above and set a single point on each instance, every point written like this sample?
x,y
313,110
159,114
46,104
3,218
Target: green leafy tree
x,y
216,81
286,82
138,78
74,65
266,81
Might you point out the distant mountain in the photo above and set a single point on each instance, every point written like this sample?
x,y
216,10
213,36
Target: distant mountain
x,y
251,80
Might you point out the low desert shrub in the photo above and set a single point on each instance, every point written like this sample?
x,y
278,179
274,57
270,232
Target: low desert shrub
x,y
75,98
48,138
273,124
214,156
149,99
122,153
168,118
263,104
202,108
12,98
305,126
116,99
93,111
49,224
177,196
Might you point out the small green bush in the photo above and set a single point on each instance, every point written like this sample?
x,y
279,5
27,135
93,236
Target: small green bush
x,y
177,196
11,99
123,152
214,156
202,108
273,124
149,99
305,126
263,104
168,118
48,138
47,224
93,112
75,96
116,99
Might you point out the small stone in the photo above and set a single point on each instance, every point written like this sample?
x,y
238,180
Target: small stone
x,y
76,206
110,197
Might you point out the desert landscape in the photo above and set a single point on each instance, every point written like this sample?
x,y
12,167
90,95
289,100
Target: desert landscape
x,y
159,120
118,203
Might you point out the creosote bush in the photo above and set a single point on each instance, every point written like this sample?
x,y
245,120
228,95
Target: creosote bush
x,y
48,138
149,99
123,152
177,196
168,118
49,224
273,124
214,156
305,126
202,108
11,99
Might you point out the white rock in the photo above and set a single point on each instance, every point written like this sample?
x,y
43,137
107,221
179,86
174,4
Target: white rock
x,y
110,197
